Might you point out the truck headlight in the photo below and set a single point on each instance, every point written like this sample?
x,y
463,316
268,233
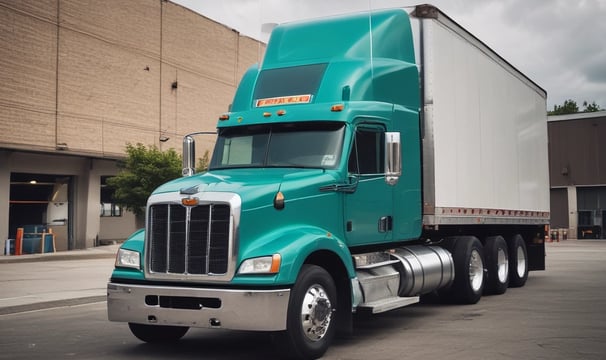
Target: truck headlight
x,y
128,258
261,265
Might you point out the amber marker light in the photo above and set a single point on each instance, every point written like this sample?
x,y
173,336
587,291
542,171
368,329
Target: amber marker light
x,y
276,260
224,117
279,201
337,107
281,112
266,114
190,201
261,265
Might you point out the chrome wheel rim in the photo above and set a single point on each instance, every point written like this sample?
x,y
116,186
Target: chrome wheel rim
x,y
316,313
502,265
521,262
476,270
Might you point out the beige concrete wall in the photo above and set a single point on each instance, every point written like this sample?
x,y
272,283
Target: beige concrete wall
x,y
250,52
95,75
206,60
198,44
86,77
28,52
133,25
107,92
108,74
117,228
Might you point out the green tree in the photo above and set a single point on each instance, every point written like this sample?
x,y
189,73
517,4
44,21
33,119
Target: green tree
x,y
143,170
569,107
203,162
593,107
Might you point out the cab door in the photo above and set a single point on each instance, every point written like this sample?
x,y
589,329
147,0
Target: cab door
x,y
368,209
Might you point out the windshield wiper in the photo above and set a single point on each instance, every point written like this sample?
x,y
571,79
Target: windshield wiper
x,y
347,188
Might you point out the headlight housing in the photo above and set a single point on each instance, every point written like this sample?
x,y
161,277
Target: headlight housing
x,y
261,265
128,258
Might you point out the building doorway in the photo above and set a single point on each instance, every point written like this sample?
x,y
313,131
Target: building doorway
x,y
590,205
42,199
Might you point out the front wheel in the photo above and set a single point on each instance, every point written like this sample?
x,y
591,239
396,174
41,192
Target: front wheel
x,y
157,333
310,326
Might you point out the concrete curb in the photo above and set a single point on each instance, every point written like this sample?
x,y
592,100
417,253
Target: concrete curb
x,y
51,304
100,252
59,257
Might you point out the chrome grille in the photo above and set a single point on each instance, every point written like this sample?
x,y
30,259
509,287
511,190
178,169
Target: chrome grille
x,y
189,240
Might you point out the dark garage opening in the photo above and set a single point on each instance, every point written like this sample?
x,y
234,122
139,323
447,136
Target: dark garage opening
x,y
42,199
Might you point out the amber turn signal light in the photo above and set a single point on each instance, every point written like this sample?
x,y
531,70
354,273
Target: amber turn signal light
x,y
279,201
190,201
337,107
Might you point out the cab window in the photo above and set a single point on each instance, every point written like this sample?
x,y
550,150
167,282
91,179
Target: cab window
x,y
367,155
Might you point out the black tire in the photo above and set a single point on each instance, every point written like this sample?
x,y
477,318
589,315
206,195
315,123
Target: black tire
x,y
156,334
313,295
518,261
468,284
497,264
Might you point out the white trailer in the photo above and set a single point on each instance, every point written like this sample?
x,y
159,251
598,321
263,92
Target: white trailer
x,y
485,131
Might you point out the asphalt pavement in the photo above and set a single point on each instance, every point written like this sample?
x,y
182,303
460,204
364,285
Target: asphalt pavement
x,y
41,281
558,315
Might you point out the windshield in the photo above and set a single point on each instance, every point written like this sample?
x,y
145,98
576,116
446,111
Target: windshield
x,y
300,145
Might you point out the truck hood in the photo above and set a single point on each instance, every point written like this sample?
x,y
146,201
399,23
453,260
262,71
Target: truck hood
x,y
257,187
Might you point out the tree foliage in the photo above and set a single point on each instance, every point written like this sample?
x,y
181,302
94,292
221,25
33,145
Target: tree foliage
x,y
593,107
143,170
203,162
571,107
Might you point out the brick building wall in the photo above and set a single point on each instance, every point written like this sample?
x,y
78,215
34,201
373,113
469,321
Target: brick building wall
x,y
82,78
94,75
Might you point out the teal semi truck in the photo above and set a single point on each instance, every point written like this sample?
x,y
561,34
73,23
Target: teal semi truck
x,y
371,159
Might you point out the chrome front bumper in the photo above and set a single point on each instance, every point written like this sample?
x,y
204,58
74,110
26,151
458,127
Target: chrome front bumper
x,y
261,310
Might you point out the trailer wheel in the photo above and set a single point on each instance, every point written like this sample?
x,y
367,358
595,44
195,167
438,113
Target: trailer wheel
x,y
497,263
310,326
157,333
518,261
468,284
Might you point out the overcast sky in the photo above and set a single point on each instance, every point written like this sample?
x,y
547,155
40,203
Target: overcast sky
x,y
559,44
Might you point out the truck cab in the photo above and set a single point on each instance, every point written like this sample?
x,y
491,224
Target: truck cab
x,y
312,206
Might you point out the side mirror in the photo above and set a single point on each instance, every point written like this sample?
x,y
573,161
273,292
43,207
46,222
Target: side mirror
x,y
189,156
393,158
189,152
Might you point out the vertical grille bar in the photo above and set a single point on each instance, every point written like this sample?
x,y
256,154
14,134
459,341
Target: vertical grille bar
x,y
208,239
159,238
198,237
218,245
177,239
